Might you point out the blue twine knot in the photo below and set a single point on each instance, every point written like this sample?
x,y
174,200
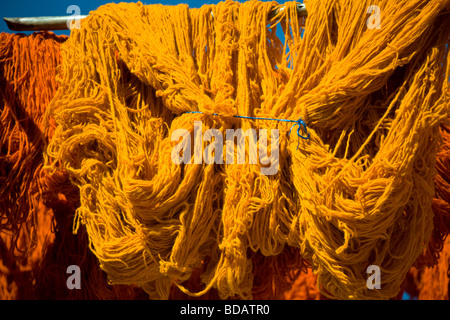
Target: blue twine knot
x,y
300,123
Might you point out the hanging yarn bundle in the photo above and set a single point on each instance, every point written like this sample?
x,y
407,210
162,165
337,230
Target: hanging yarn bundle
x,y
358,192
27,84
434,282
36,211
429,278
23,102
36,244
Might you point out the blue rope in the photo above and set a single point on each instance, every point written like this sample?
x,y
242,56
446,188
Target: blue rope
x,y
300,123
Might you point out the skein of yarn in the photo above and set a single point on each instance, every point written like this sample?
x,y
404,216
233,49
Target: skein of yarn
x,y
36,210
86,146
357,193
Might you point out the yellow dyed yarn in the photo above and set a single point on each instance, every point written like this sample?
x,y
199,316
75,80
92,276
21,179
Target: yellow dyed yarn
x,y
357,193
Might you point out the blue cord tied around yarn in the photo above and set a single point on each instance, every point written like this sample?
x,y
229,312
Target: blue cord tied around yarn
x,y
300,123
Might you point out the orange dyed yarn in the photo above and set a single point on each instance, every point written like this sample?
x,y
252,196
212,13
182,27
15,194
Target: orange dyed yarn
x,y
36,211
358,192
29,198
431,283
27,84
430,280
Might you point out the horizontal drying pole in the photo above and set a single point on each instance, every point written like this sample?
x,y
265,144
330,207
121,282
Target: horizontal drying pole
x,y
61,22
